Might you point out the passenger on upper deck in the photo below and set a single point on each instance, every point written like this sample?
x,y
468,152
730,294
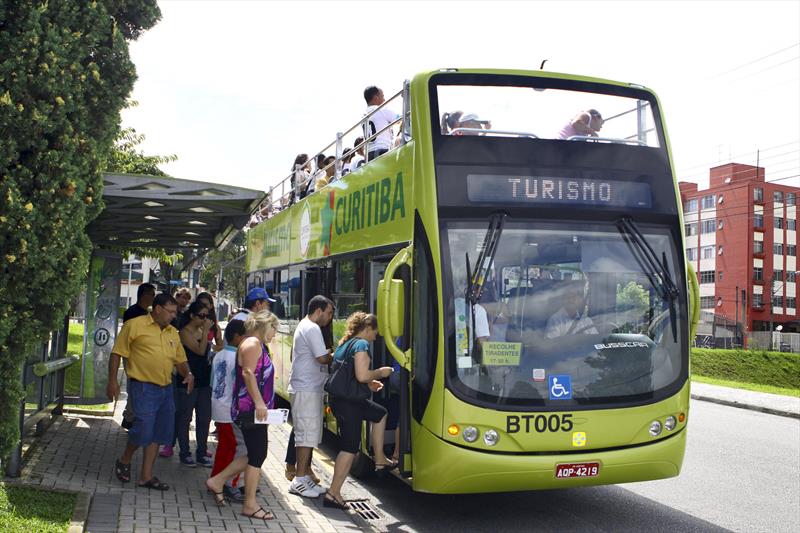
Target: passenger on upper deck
x,y
358,158
377,122
319,174
472,124
450,121
347,156
300,176
586,123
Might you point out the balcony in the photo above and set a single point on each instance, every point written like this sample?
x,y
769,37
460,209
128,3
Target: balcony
x,y
758,306
758,253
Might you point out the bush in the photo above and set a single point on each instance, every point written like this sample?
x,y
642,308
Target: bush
x,y
748,366
65,73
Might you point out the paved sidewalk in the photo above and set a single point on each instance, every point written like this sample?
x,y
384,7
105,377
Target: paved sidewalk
x,y
78,453
775,404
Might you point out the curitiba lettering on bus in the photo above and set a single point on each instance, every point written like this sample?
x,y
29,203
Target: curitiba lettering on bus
x,y
560,189
277,240
372,205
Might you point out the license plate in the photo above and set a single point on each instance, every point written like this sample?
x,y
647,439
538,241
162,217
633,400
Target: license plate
x,y
577,470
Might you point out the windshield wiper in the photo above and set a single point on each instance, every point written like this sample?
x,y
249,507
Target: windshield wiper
x,y
657,272
477,279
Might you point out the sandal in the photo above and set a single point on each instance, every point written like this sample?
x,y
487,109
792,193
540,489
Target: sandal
x,y
154,483
385,467
266,516
331,501
219,497
123,472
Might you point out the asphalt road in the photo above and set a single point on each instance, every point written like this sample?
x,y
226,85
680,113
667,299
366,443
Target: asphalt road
x,y
741,472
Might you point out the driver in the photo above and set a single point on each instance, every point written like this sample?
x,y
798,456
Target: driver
x,y
571,317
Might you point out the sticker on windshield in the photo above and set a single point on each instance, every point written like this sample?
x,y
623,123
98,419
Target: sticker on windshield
x,y
560,386
538,374
501,353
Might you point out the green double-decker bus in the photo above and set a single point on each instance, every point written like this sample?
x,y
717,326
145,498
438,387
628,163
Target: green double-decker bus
x,y
522,247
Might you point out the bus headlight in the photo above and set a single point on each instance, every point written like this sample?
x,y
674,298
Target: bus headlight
x,y
655,428
470,434
669,423
490,437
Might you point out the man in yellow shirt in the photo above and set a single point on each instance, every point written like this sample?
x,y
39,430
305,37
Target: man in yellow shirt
x,y
151,348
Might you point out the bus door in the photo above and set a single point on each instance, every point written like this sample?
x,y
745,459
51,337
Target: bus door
x,y
394,397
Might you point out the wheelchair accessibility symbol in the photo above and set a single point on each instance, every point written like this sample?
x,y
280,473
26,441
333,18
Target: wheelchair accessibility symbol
x,y
560,387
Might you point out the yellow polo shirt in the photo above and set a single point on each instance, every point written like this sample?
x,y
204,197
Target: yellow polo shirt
x,y
152,352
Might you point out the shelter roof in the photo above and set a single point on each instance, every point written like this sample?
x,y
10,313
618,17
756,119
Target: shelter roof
x,y
170,213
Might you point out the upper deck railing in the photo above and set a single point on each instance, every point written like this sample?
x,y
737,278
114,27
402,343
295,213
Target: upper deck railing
x,y
291,188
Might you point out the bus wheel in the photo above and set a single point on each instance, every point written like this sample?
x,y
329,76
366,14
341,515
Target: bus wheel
x,y
362,467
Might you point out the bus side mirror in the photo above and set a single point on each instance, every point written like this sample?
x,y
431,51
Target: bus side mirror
x,y
391,324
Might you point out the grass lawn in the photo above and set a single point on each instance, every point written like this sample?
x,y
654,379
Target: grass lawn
x,y
747,386
28,510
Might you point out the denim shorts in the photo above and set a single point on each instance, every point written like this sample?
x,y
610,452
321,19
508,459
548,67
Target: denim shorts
x,y
154,414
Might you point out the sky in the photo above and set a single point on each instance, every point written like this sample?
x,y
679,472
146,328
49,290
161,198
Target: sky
x,y
237,89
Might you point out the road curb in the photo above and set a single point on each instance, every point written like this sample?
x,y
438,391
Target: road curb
x,y
750,407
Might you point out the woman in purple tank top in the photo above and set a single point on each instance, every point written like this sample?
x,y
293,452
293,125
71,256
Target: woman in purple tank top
x,y
253,394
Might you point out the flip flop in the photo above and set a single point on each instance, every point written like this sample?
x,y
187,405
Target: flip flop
x,y
123,472
154,483
266,516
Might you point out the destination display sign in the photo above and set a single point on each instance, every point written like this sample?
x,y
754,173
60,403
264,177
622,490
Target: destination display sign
x,y
493,188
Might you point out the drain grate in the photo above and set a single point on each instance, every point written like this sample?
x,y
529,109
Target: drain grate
x,y
364,509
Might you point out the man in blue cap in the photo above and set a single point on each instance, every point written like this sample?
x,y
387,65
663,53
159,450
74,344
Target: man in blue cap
x,y
257,300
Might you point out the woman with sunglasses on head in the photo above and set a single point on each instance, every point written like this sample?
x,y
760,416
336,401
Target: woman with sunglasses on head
x,y
196,324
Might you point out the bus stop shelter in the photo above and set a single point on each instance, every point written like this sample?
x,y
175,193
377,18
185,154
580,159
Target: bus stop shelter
x,y
159,212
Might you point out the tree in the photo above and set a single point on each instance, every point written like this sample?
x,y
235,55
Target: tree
x,y
65,73
231,262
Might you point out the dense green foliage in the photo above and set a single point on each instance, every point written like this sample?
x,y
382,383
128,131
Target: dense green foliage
x,y
24,510
748,366
65,74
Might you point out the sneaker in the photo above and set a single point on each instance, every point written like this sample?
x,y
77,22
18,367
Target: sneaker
x,y
314,478
241,489
188,461
305,487
233,494
205,461
291,471
166,451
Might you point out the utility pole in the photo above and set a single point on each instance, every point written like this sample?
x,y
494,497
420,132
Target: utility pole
x,y
771,316
736,323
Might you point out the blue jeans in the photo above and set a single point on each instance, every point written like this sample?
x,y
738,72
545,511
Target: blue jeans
x,y
153,412
199,403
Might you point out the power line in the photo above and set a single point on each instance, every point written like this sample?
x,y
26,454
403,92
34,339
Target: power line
x,y
755,60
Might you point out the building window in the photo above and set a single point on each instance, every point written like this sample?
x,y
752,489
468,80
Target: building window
x,y
758,194
791,249
708,202
691,229
758,300
690,206
791,276
758,220
777,275
719,275
707,276
708,226
777,249
791,224
778,223
707,252
791,198
791,302
758,274
777,196
706,302
691,254
758,247
777,302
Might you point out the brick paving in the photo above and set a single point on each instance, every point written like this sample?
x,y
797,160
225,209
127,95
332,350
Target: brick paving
x,y
78,453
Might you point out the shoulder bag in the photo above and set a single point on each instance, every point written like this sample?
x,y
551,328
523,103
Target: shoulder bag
x,y
343,383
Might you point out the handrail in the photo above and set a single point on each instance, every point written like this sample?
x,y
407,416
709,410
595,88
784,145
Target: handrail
x,y
592,138
502,132
284,185
48,367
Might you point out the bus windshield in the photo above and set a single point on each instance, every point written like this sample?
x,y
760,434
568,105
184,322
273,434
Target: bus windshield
x,y
507,111
568,314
